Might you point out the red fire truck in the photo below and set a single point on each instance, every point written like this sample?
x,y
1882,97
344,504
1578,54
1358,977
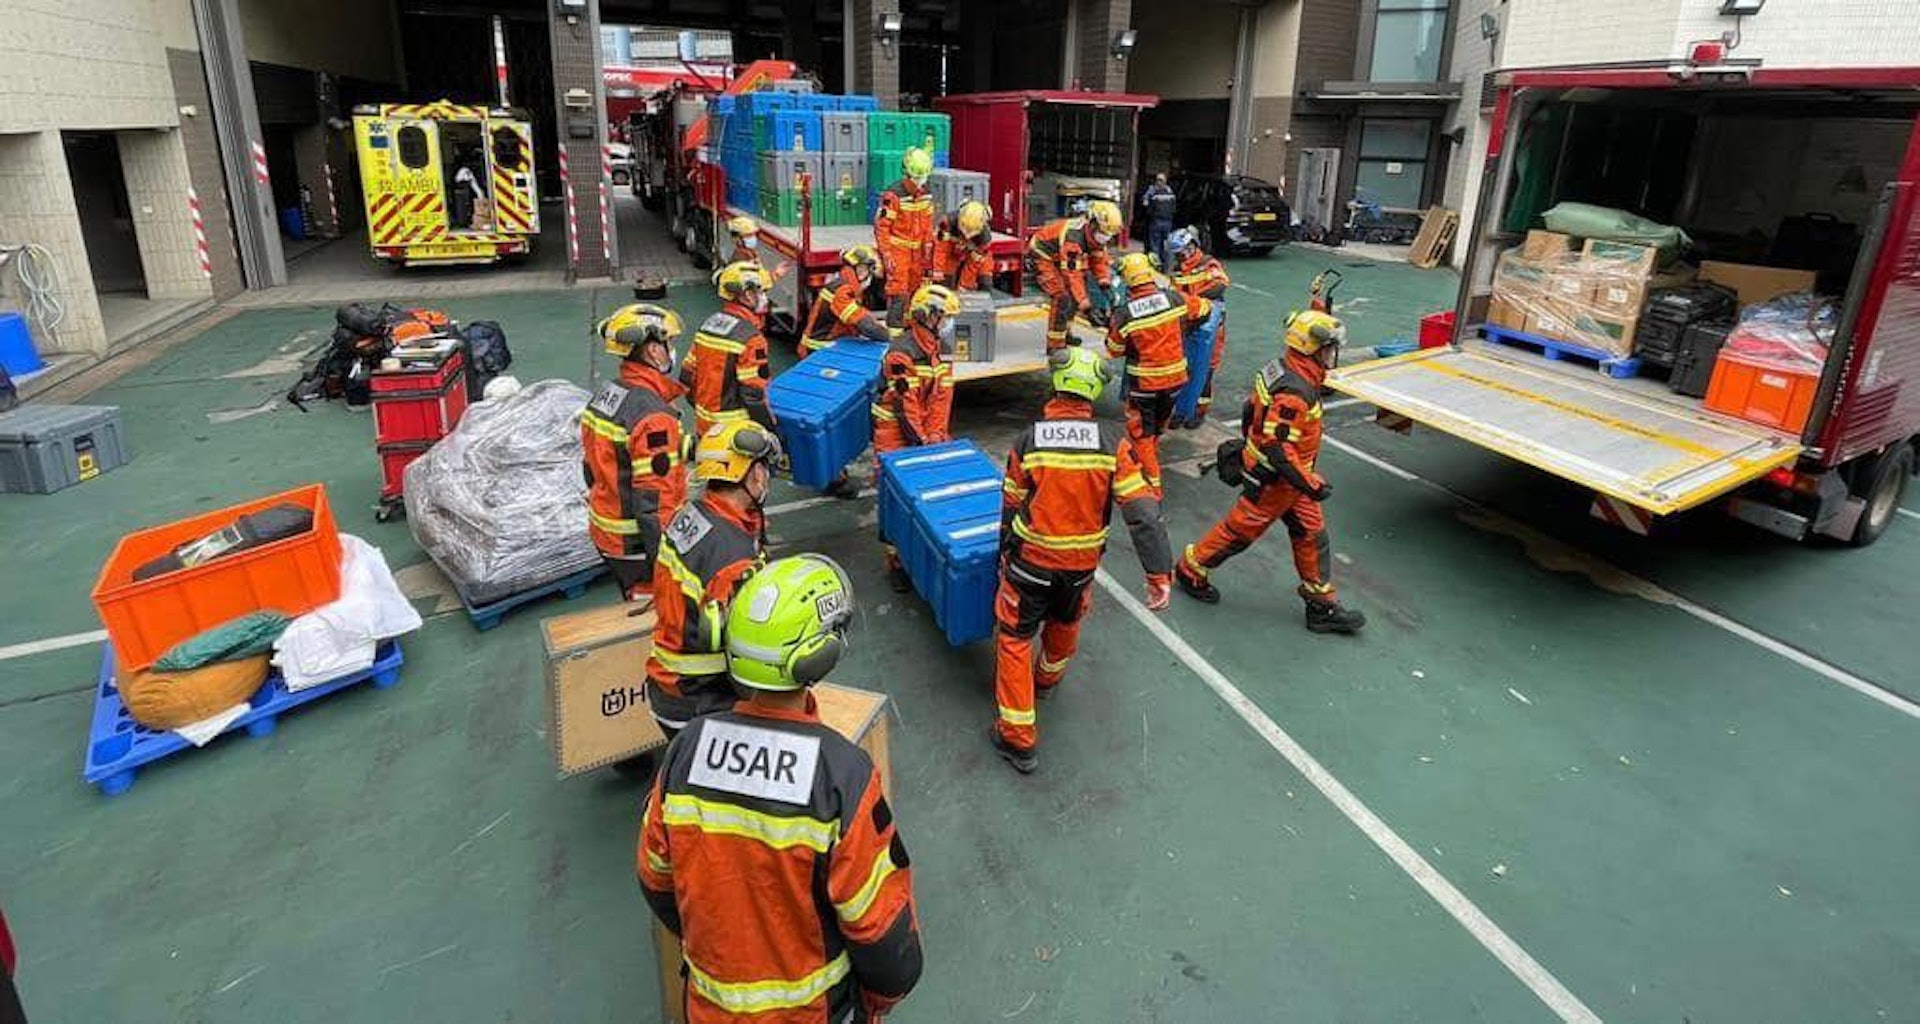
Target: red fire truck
x,y
1739,155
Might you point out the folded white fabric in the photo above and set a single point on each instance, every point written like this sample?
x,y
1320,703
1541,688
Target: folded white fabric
x,y
202,732
340,638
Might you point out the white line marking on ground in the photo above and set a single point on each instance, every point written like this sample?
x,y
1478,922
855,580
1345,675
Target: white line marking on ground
x,y
1909,513
1653,591
235,983
802,504
1517,960
1256,291
56,643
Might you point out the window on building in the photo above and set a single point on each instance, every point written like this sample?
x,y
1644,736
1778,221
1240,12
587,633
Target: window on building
x,y
413,147
1392,167
1407,36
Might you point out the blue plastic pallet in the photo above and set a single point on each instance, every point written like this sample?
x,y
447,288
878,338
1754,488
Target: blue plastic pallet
x,y
117,746
823,405
1557,350
940,506
487,616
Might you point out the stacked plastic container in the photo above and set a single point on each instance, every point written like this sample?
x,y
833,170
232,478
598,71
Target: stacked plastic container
x,y
824,408
890,135
789,131
940,506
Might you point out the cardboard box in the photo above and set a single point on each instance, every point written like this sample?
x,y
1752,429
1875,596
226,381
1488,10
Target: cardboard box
x,y
1548,323
1755,283
1618,296
1546,245
1570,284
1503,311
859,715
596,686
1611,334
1515,273
1621,257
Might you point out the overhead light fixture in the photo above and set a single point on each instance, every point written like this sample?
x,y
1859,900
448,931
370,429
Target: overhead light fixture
x,y
1489,26
1741,8
1123,41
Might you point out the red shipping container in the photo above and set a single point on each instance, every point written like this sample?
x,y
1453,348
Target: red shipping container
x,y
419,403
293,575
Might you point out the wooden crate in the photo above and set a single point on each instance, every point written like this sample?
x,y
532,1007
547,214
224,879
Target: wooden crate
x,y
859,715
596,686
1430,244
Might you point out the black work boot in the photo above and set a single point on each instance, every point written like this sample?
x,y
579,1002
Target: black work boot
x,y
898,579
1023,761
843,487
1198,589
1332,617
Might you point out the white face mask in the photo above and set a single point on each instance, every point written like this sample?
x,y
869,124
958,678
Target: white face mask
x,y
945,332
760,302
919,180
1100,237
751,241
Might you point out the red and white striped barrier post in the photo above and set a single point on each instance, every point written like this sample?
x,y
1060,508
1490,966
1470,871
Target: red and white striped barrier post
x,y
333,206
606,203
200,250
573,212
259,162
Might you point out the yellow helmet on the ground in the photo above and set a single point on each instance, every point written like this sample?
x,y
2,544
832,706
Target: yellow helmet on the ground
x,y
933,298
632,326
736,279
786,623
1104,217
917,164
1310,332
1078,371
728,450
857,256
743,226
1136,268
973,220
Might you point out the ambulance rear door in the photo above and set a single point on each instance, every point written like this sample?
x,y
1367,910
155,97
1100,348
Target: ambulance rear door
x,y
516,201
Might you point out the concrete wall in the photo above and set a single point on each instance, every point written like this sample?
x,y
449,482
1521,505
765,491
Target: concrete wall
x,y
96,65
346,37
1096,22
157,182
202,152
37,205
1185,50
1858,33
1473,57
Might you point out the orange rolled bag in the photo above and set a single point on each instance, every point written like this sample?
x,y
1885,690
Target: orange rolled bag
x,y
204,675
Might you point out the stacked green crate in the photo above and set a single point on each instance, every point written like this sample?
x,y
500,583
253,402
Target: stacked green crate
x,y
931,132
782,207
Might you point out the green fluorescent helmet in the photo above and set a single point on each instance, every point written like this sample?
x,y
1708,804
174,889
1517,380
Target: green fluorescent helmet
x,y
785,623
1077,371
918,164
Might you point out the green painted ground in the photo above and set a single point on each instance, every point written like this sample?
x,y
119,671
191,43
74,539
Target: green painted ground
x,y
1690,827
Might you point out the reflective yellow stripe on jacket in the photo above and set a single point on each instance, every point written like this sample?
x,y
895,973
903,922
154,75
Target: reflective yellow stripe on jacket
x,y
626,527
718,343
859,903
1059,542
747,997
779,832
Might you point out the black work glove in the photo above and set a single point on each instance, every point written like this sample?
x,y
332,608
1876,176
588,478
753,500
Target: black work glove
x,y
1322,493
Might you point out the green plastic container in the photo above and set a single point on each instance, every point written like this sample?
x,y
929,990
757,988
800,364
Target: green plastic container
x,y
883,167
841,210
931,132
781,207
890,131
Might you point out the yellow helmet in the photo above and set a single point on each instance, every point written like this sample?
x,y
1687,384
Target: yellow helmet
x,y
743,226
786,623
1310,332
857,256
1136,268
1078,371
972,219
736,279
917,164
728,450
632,326
933,298
1104,217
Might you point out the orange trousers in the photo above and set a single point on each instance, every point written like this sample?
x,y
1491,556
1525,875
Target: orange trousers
x,y
1062,306
1249,520
1032,601
906,271
1148,415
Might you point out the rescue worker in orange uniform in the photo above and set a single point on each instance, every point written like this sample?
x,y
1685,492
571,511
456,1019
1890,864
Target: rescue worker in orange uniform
x,y
746,246
726,369
1150,332
1063,476
961,240
1280,427
1196,273
903,232
916,391
1061,254
841,312
633,447
708,548
767,844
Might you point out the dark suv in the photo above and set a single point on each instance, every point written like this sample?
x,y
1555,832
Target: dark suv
x,y
1234,213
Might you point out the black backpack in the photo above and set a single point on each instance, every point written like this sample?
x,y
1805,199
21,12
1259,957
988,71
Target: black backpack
x,y
487,354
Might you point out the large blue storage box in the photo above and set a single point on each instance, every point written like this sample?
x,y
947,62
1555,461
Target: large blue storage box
x,y
940,506
824,409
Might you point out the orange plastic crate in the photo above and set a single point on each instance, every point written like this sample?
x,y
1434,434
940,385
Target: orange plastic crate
x,y
293,575
1761,393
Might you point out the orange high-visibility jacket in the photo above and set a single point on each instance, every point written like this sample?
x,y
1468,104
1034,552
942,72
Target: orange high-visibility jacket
x,y
634,454
841,313
726,371
769,848
956,262
1064,474
1148,331
1201,275
916,392
706,551
1062,251
1281,423
903,225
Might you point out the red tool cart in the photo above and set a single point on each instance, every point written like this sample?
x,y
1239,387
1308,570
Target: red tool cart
x,y
419,394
